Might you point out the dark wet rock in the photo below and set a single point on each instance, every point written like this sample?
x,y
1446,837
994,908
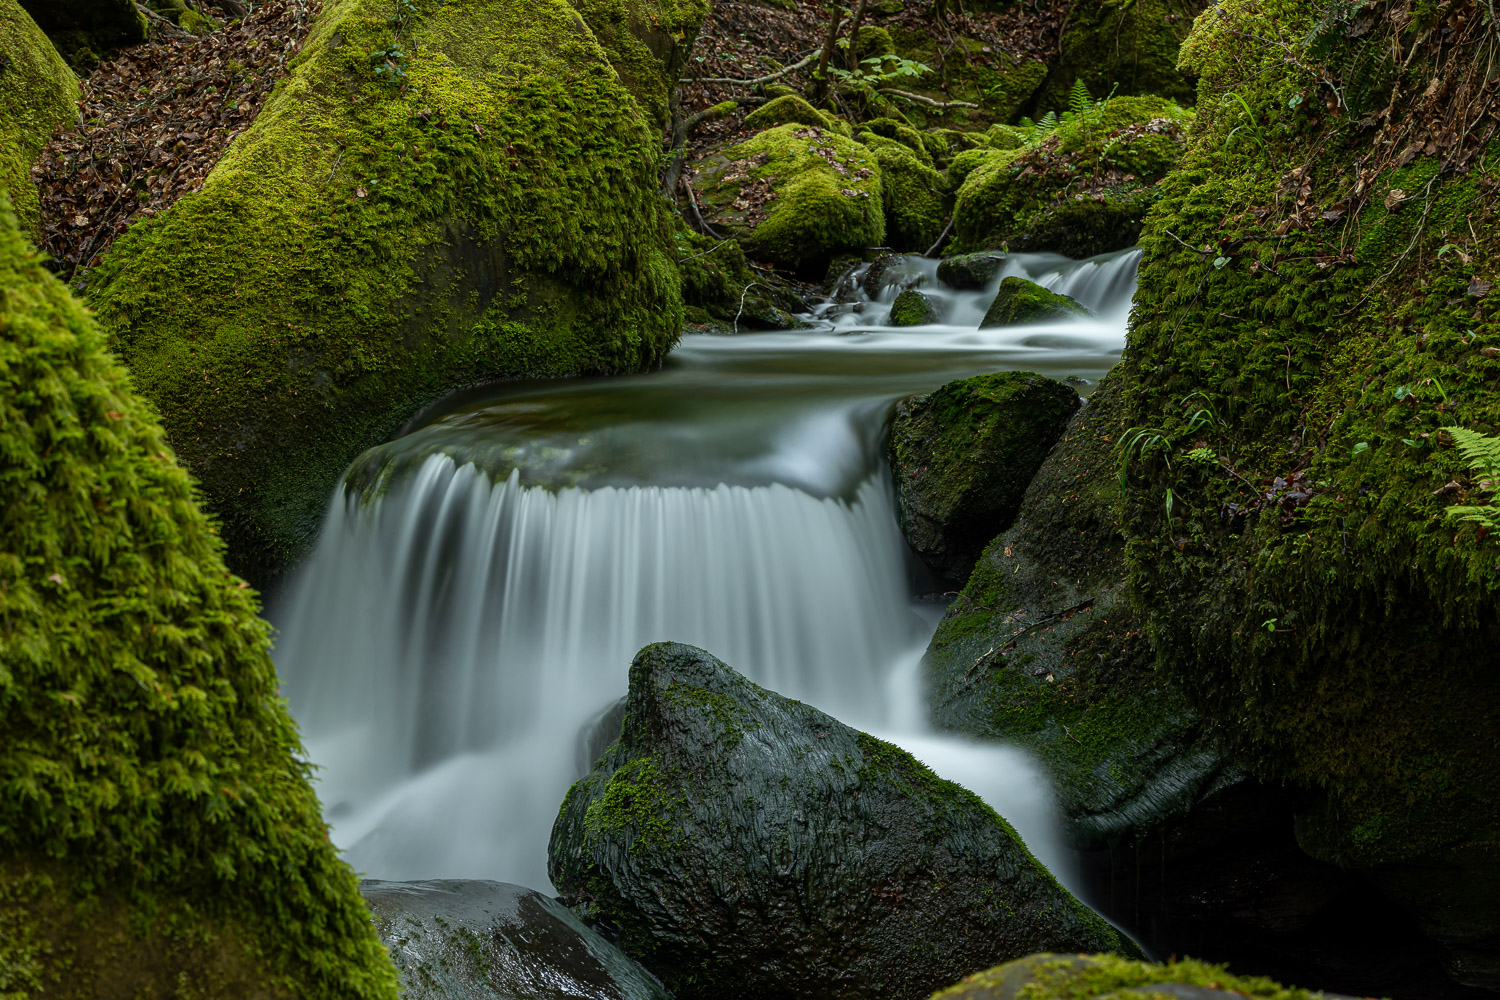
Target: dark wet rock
x,y
1043,650
1020,301
1108,977
912,308
962,458
476,940
887,270
743,844
970,271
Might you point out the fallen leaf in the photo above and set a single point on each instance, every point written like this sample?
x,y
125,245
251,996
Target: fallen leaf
x,y
1394,199
1479,289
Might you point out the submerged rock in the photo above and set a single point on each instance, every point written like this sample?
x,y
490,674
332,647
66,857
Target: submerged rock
x,y
795,196
970,272
1043,650
37,94
743,844
1108,977
473,940
962,457
371,243
157,826
1019,302
912,308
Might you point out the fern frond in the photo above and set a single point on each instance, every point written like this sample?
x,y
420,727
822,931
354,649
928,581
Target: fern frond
x,y
1080,101
1479,450
1048,123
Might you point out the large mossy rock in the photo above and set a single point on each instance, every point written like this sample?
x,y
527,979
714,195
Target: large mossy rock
x,y
916,206
37,94
912,308
1109,977
86,30
1080,190
1126,48
971,271
157,826
469,940
648,42
1301,338
1042,650
795,196
370,244
962,457
1018,302
742,844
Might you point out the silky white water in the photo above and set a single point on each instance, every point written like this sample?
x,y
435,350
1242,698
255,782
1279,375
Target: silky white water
x,y
458,630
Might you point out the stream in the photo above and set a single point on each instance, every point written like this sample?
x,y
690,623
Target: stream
x,y
482,582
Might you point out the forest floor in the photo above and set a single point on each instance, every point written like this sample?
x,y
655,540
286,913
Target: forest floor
x,y
153,122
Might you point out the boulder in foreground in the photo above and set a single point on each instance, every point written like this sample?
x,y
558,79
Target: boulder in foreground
x,y
743,844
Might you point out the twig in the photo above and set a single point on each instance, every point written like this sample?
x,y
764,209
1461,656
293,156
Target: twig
x,y
741,312
168,27
703,226
705,253
757,81
919,99
940,240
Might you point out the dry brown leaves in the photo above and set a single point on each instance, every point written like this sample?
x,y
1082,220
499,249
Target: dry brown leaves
x,y
155,121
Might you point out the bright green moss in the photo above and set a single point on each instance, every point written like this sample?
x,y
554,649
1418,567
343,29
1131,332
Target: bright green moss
x,y
648,43
825,195
1096,170
157,827
912,308
915,207
1305,589
37,94
788,109
1095,977
1019,301
365,247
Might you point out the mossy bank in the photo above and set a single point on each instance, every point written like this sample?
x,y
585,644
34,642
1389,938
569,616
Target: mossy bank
x,y
1302,335
158,832
37,95
437,195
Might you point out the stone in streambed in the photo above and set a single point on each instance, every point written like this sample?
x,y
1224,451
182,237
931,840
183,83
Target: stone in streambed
x,y
478,940
1019,302
912,308
963,456
744,844
970,271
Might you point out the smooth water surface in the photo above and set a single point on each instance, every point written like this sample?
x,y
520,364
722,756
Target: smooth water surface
x,y
483,582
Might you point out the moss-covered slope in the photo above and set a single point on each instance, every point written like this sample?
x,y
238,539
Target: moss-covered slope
x,y
37,94
1109,977
1301,337
648,43
462,193
158,834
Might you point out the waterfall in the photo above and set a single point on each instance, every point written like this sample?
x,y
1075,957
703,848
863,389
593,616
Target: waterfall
x,y
459,630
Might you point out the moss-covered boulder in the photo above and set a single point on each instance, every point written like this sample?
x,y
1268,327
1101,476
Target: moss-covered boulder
x,y
796,196
648,42
788,109
1126,48
912,308
86,30
916,206
374,241
1019,302
472,940
742,844
722,294
1109,977
970,271
37,95
1080,189
1302,338
1043,650
962,457
157,825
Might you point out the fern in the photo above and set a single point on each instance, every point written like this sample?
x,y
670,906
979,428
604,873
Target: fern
x,y
1483,455
1080,101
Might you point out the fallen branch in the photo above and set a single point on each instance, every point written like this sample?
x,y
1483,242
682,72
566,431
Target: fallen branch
x,y
168,28
919,99
741,312
703,226
802,63
943,238
683,127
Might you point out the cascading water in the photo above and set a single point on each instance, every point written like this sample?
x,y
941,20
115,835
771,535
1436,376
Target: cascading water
x,y
483,582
